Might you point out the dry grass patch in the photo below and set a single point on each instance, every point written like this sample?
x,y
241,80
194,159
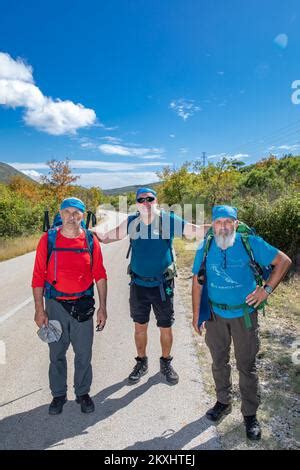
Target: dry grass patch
x,y
11,248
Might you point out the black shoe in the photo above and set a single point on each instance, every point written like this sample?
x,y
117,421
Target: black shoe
x,y
253,430
167,370
56,406
140,369
218,411
86,403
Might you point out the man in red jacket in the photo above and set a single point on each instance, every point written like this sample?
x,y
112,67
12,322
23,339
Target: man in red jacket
x,y
65,278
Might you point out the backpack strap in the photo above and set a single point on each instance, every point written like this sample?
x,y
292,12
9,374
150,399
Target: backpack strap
x,y
255,267
51,247
137,227
201,276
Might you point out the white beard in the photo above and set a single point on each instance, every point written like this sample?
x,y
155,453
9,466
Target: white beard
x,y
225,241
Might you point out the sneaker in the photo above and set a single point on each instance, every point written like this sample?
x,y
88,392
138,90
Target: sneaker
x,y
140,369
218,411
86,403
56,406
253,429
167,370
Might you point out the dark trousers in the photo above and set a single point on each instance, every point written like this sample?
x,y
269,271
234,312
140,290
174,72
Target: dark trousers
x,y
80,335
219,333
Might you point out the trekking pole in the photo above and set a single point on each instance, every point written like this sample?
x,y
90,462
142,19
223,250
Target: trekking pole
x,y
46,222
88,219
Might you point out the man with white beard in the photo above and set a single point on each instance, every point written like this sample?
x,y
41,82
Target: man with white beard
x,y
233,300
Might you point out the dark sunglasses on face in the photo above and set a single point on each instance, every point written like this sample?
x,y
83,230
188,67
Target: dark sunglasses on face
x,y
140,200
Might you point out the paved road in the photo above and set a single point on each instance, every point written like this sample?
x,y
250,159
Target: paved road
x,y
149,415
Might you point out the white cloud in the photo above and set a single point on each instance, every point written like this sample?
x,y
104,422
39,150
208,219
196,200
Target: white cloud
x,y
14,69
128,151
217,155
111,139
184,108
55,117
116,180
285,147
30,166
241,155
91,165
59,117
155,157
35,175
14,93
172,136
88,145
228,156
281,40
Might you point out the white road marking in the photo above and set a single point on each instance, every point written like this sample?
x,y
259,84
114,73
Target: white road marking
x,y
16,309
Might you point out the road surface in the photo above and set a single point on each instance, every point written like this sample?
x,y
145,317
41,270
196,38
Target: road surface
x,y
149,415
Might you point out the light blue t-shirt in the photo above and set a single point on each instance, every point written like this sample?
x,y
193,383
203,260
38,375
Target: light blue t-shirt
x,y
151,254
229,277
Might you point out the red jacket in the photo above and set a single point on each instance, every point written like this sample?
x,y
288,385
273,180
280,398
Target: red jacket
x,y
73,271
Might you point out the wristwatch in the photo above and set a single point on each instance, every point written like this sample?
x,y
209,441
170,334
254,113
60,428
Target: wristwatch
x,y
268,289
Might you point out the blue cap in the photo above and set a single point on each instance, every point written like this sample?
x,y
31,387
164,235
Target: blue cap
x,y
73,202
224,211
145,190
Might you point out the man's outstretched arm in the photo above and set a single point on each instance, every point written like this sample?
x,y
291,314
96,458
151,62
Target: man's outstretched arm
x,y
113,235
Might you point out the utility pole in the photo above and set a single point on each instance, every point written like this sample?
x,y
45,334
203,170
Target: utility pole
x,y
203,159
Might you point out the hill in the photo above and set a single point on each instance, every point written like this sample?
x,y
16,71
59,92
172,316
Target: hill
x,y
128,189
7,172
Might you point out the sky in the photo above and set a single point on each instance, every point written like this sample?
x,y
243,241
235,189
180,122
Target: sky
x,y
125,87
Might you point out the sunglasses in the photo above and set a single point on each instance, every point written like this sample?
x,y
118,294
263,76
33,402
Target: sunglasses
x,y
140,200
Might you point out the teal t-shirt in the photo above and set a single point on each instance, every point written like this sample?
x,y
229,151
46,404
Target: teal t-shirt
x,y
229,277
151,254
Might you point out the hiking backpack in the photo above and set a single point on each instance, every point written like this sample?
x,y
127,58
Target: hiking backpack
x,y
50,291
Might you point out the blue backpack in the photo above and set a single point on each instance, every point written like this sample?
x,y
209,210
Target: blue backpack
x,y
50,292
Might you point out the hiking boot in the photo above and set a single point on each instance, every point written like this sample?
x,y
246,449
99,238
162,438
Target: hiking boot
x,y
253,430
218,411
167,370
86,403
140,369
56,406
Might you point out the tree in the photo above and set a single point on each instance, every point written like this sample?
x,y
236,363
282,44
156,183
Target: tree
x,y
29,190
59,179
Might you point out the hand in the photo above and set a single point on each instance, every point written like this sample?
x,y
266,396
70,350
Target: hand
x,y
198,329
256,297
101,317
41,318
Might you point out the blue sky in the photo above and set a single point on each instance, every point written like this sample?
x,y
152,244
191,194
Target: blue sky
x,y
124,87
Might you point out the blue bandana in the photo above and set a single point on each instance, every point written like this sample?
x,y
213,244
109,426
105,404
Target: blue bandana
x,y
145,190
224,211
73,202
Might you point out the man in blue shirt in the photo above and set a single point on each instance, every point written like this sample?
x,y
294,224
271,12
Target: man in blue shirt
x,y
152,270
232,290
